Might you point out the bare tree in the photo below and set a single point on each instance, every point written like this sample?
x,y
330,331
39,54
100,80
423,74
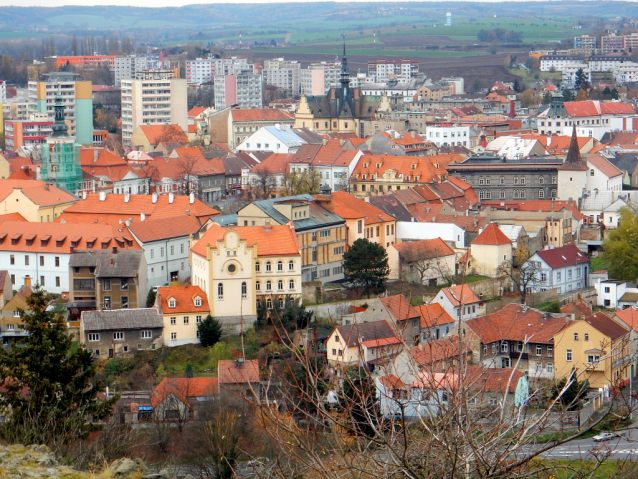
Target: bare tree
x,y
172,134
263,185
188,171
525,274
151,174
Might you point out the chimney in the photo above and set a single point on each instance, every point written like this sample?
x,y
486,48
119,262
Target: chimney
x,y
171,198
192,198
84,195
71,249
128,222
188,212
127,197
549,140
102,195
154,198
267,225
114,250
62,220
95,155
142,216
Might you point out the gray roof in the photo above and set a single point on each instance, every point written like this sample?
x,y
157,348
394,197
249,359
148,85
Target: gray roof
x,y
225,220
319,216
123,264
625,161
121,319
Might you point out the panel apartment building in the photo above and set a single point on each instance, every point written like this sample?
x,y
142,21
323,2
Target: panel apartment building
x,y
241,85
77,97
150,102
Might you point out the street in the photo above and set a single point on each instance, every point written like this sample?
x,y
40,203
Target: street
x,y
620,448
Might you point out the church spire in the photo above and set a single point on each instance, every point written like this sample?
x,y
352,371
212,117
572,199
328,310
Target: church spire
x,y
59,127
345,74
573,161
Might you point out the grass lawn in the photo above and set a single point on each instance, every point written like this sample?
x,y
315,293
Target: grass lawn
x,y
597,264
577,468
472,278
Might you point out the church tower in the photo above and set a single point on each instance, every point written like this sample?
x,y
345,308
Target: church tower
x,y
572,175
61,154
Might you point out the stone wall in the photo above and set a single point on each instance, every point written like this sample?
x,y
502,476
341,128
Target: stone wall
x,y
232,325
531,300
312,292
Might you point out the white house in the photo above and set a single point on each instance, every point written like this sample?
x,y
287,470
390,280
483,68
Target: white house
x,y
448,232
603,175
616,294
460,301
448,135
166,242
564,269
278,138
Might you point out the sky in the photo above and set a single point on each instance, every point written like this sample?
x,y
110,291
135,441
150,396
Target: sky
x,y
166,3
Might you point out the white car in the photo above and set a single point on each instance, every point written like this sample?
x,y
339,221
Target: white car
x,y
606,436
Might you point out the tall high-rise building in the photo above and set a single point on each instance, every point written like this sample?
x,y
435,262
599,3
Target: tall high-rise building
x,y
61,153
151,102
283,74
238,85
127,67
383,71
77,98
318,78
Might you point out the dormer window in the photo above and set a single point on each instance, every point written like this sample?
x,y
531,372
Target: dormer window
x,y
378,165
198,302
413,166
172,303
365,165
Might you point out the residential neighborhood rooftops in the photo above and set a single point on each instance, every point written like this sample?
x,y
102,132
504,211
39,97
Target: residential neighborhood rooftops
x,y
37,191
423,249
348,206
606,325
261,114
460,294
606,167
156,133
433,314
563,256
155,229
184,388
399,307
238,371
184,298
374,330
492,235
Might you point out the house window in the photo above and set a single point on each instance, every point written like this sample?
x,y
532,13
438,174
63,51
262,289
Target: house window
x,y
173,335
539,350
198,302
124,302
220,291
291,265
268,286
291,284
257,266
185,319
268,266
324,233
257,286
280,266
586,337
118,336
269,303
173,321
543,277
280,285
505,363
124,284
550,352
26,259
57,281
504,346
243,290
107,302
592,359
41,260
145,334
106,284
568,355
550,367
198,319
93,336
575,336
172,303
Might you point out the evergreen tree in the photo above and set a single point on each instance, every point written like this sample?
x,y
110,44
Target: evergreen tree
x,y
620,249
150,298
46,382
365,266
210,331
581,81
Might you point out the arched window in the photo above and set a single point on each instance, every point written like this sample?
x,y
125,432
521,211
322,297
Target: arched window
x,y
541,180
280,285
291,284
268,286
488,180
220,291
591,172
280,266
522,194
586,337
481,194
502,180
257,286
244,289
257,266
281,303
515,193
541,194
516,180
258,304
291,265
575,336
269,303
502,194
268,266
481,180
488,195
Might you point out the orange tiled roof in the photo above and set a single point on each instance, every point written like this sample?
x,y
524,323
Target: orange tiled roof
x,y
492,235
154,133
196,111
278,240
276,163
423,249
516,322
113,173
238,372
432,352
183,388
184,297
453,294
155,229
629,316
433,314
261,114
61,237
89,209
399,307
607,169
37,191
99,157
12,217
21,174
425,167
351,207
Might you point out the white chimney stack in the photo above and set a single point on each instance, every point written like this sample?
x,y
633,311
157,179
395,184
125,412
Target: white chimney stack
x,y
102,195
171,198
192,198
154,198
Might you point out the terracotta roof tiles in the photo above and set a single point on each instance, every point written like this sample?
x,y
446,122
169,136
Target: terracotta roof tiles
x,y
424,249
155,229
184,388
433,314
184,297
457,292
492,235
563,256
350,207
399,307
238,371
261,114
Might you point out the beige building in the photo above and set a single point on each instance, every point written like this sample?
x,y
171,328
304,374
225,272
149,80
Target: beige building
x,y
242,268
362,343
183,309
490,250
11,325
34,200
429,261
153,102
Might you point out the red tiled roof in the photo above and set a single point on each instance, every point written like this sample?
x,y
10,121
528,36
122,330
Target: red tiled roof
x,y
196,111
184,297
99,157
431,352
425,169
516,322
238,372
492,379
261,114
155,229
433,314
18,163
606,168
492,235
12,217
606,325
579,310
277,240
276,163
425,212
423,249
629,316
21,174
399,307
183,388
469,223
37,191
351,207
460,291
89,209
563,256
390,381
597,108
154,133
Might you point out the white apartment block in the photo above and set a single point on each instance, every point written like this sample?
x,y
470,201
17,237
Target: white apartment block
x,y
626,73
448,135
569,74
606,63
153,102
3,91
126,67
584,42
557,62
318,78
284,75
383,71
200,70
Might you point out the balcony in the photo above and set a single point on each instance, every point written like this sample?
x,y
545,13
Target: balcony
x,y
517,354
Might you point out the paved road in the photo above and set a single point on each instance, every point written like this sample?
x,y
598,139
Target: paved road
x,y
621,448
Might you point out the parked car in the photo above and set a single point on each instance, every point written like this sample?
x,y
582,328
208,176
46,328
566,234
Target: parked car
x,y
607,436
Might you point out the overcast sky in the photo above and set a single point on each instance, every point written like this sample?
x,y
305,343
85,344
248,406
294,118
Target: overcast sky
x,y
156,3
